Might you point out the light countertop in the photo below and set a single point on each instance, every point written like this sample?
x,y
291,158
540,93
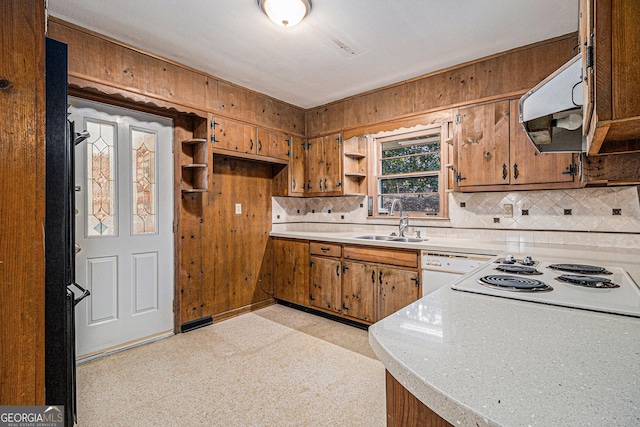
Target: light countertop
x,y
624,257
477,359
482,360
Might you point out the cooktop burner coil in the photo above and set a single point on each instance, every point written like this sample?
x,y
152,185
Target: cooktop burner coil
x,y
580,268
587,281
514,283
517,269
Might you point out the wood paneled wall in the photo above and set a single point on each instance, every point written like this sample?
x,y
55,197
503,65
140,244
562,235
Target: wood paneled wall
x,y
497,76
100,64
224,258
22,186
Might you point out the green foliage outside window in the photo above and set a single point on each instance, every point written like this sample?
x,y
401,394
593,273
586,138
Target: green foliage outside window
x,y
410,173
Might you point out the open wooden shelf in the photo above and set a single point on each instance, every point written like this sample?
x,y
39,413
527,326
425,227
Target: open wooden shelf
x,y
195,175
355,166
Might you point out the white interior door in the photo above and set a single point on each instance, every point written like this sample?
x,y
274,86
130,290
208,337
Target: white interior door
x,y
124,222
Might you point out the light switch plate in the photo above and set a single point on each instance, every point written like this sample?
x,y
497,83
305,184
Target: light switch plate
x,y
507,210
238,208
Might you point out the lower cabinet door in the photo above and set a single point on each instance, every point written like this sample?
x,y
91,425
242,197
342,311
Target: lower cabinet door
x,y
358,290
325,279
290,270
398,288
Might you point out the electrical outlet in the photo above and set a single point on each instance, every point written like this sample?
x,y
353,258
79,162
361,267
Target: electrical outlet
x,y
238,208
507,210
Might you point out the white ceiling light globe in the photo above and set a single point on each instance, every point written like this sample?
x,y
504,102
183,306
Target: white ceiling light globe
x,y
285,13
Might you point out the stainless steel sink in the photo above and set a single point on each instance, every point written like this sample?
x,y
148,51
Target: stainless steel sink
x,y
373,237
390,238
407,239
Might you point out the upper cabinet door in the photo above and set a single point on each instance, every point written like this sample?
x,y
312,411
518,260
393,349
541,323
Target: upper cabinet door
x,y
332,180
273,144
233,136
481,138
297,165
528,166
315,165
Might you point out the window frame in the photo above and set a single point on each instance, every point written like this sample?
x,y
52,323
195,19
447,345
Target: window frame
x,y
442,174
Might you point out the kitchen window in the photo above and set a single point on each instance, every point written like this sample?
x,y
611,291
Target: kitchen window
x,y
409,166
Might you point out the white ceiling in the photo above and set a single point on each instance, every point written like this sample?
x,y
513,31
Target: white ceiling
x,y
342,48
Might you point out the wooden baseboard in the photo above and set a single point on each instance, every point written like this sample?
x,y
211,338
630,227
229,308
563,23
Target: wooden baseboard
x,y
242,310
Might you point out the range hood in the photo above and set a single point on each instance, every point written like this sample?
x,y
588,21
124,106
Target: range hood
x,y
551,112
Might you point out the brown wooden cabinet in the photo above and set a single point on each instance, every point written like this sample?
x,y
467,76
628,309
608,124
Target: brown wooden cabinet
x,y
297,165
492,152
324,165
610,45
378,281
236,138
397,288
291,270
273,144
232,136
359,290
325,276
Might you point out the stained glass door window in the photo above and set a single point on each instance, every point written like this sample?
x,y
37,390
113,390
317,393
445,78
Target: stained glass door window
x,y
143,165
101,179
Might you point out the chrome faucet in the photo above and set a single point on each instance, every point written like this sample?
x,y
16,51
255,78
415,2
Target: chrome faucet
x,y
404,220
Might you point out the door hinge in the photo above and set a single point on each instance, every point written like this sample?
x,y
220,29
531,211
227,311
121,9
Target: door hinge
x,y
288,153
459,177
416,281
174,227
572,170
459,118
339,184
310,264
339,139
589,57
213,132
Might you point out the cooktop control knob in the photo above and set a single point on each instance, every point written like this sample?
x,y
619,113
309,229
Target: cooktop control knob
x,y
509,259
527,261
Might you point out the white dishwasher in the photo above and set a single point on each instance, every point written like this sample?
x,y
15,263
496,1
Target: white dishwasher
x,y
442,269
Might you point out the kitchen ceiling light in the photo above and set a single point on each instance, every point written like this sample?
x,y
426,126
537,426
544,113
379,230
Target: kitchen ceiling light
x,y
285,13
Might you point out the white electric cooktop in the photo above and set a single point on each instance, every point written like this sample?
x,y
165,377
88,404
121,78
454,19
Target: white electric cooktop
x,y
599,288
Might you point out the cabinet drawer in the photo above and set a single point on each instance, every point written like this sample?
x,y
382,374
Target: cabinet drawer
x,y
326,249
397,257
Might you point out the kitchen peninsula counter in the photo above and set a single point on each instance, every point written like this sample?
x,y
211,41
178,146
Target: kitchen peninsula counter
x,y
482,360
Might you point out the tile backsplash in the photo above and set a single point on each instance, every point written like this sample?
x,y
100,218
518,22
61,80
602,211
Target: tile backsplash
x,y
598,216
607,209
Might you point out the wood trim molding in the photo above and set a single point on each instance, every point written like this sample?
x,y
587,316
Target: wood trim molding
x,y
56,20
455,67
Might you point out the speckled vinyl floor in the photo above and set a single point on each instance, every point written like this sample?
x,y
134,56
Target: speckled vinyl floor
x,y
273,367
